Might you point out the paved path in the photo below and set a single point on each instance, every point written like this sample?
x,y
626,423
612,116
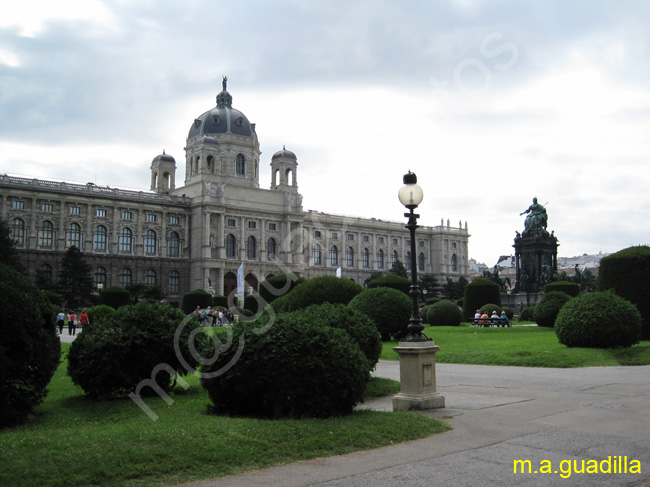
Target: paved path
x,y
499,414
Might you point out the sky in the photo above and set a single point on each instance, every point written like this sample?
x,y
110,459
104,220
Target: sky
x,y
489,103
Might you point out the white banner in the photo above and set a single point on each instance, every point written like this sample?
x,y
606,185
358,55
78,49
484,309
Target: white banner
x,y
240,281
338,272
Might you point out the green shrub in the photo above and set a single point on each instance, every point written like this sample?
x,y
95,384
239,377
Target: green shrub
x,y
219,301
424,313
276,286
115,297
626,273
252,303
570,288
393,281
289,371
29,348
110,358
461,302
478,293
99,313
490,308
598,320
53,297
359,326
194,298
433,300
548,308
445,313
319,290
389,308
510,313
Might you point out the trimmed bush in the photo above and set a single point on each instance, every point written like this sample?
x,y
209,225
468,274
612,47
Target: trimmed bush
x,y
359,326
389,308
393,281
29,348
548,308
319,290
598,320
194,298
527,314
433,300
276,286
478,293
306,371
53,297
490,308
111,358
445,313
570,288
424,313
626,273
115,297
251,303
220,301
99,313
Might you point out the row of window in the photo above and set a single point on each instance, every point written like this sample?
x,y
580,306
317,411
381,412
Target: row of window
x,y
365,238
365,257
99,212
251,247
73,237
251,224
240,164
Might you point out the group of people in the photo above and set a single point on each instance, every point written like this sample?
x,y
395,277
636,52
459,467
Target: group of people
x,y
480,317
72,320
214,316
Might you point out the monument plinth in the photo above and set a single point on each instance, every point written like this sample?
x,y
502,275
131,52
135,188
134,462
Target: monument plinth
x,y
417,374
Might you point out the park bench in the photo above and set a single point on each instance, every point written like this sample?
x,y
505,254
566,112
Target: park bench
x,y
487,322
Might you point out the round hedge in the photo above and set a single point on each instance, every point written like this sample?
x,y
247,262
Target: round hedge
x,y
393,281
570,288
490,308
318,290
479,292
527,314
444,313
598,320
273,287
389,308
433,300
288,371
115,297
110,358
549,306
194,298
29,348
626,273
358,325
424,313
101,312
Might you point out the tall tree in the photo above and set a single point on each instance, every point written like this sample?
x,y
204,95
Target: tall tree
x,y
454,290
8,251
399,269
429,283
75,279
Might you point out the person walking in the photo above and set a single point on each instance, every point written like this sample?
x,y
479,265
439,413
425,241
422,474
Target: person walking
x,y
60,321
72,324
83,318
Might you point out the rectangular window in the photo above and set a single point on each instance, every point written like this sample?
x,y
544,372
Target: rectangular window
x,y
394,241
127,215
453,245
350,236
232,222
380,239
100,212
150,217
174,220
47,207
407,241
422,244
18,205
317,233
335,235
252,224
366,238
75,210
271,226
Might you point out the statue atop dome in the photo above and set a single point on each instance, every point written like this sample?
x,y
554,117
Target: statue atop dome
x,y
224,82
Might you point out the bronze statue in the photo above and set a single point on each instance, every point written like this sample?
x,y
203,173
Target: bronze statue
x,y
536,219
224,82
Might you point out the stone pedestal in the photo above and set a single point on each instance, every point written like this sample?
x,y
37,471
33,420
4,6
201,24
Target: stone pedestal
x,y
417,372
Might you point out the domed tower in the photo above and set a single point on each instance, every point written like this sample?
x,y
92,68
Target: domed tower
x,y
222,146
163,173
284,171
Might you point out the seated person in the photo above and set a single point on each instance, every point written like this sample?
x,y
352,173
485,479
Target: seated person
x,y
494,316
484,318
504,317
477,316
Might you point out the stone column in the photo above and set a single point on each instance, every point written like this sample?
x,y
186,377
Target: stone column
x,y
417,371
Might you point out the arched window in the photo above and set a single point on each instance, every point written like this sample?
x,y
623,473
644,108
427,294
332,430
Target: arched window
x,y
150,277
230,246
454,263
334,255
421,262
174,245
73,238
17,231
251,251
46,235
45,271
393,257
240,165
270,249
99,277
407,260
126,277
317,257
126,240
174,282
380,259
150,244
365,256
100,237
210,163
349,256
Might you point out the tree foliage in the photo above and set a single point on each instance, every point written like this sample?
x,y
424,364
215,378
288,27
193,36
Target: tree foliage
x,y
399,269
8,252
389,308
75,279
454,290
478,293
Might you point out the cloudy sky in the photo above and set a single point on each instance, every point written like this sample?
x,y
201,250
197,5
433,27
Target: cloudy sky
x,y
490,103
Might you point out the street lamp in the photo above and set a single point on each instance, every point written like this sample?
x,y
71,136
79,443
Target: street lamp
x,y
410,195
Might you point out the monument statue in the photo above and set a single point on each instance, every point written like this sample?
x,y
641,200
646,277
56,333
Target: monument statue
x,y
224,82
536,219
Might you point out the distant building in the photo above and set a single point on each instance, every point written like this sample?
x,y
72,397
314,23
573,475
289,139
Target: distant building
x,y
181,237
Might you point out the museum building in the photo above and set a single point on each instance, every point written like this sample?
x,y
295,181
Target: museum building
x,y
183,237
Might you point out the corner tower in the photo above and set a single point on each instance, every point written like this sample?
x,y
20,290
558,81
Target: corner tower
x,y
284,171
163,173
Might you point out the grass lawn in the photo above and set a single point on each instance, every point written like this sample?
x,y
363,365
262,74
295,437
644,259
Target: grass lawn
x,y
520,346
74,441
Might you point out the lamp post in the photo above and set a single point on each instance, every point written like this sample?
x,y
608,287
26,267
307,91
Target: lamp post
x,y
410,195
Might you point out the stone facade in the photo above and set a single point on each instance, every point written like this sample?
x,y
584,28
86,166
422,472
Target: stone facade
x,y
179,237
